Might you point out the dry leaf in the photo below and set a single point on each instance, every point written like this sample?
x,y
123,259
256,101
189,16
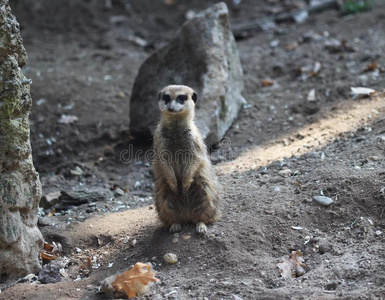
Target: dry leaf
x,y
371,67
135,281
362,91
267,82
50,252
294,266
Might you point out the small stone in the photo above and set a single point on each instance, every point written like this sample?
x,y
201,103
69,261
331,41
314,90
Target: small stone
x,y
176,234
137,185
374,158
88,195
170,258
322,200
323,248
311,96
44,221
120,95
175,240
49,200
186,237
285,172
50,273
119,191
274,43
77,171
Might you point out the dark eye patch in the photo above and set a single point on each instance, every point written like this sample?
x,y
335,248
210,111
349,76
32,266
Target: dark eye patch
x,y
166,98
181,98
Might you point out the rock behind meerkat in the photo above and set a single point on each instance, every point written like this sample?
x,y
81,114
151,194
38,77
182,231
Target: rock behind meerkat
x,y
186,188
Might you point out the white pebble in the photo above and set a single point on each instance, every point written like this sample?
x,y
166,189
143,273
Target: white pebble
x,y
322,200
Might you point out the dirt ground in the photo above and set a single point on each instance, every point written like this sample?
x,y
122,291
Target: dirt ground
x,y
83,59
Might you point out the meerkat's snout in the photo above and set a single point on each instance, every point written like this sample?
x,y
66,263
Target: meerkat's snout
x,y
174,99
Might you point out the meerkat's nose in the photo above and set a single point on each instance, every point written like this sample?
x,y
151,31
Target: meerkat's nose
x,y
171,108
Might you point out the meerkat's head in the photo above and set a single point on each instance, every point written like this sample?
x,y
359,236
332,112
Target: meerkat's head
x,y
177,99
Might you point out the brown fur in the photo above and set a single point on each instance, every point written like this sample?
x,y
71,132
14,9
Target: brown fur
x,y
186,188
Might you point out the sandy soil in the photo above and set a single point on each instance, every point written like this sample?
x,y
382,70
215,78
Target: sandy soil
x,y
83,59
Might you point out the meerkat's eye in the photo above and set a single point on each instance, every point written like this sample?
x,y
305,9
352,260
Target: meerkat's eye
x,y
181,98
166,98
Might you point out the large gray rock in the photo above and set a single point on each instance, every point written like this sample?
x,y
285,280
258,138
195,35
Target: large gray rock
x,y
204,56
20,189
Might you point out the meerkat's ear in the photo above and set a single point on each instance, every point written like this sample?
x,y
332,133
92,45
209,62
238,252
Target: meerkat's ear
x,y
194,97
160,96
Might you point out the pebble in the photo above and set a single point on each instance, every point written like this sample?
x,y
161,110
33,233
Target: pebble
x,y
285,172
175,240
170,258
322,200
77,171
374,158
119,191
50,273
323,248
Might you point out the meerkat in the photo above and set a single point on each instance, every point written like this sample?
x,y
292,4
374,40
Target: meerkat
x,y
186,188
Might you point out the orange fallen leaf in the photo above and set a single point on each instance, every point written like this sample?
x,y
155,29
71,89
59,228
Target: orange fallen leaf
x,y
50,252
294,266
135,281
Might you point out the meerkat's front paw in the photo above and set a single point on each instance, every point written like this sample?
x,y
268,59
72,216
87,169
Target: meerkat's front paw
x,y
175,228
201,228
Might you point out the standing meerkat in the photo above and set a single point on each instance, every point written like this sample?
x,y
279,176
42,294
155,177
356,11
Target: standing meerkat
x,y
186,188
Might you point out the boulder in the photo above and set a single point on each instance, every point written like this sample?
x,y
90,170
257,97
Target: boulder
x,y
20,188
203,55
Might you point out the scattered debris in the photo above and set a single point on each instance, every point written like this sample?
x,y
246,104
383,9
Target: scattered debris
x,y
297,227
267,82
357,91
311,96
336,46
85,269
294,266
316,69
371,67
68,119
323,200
